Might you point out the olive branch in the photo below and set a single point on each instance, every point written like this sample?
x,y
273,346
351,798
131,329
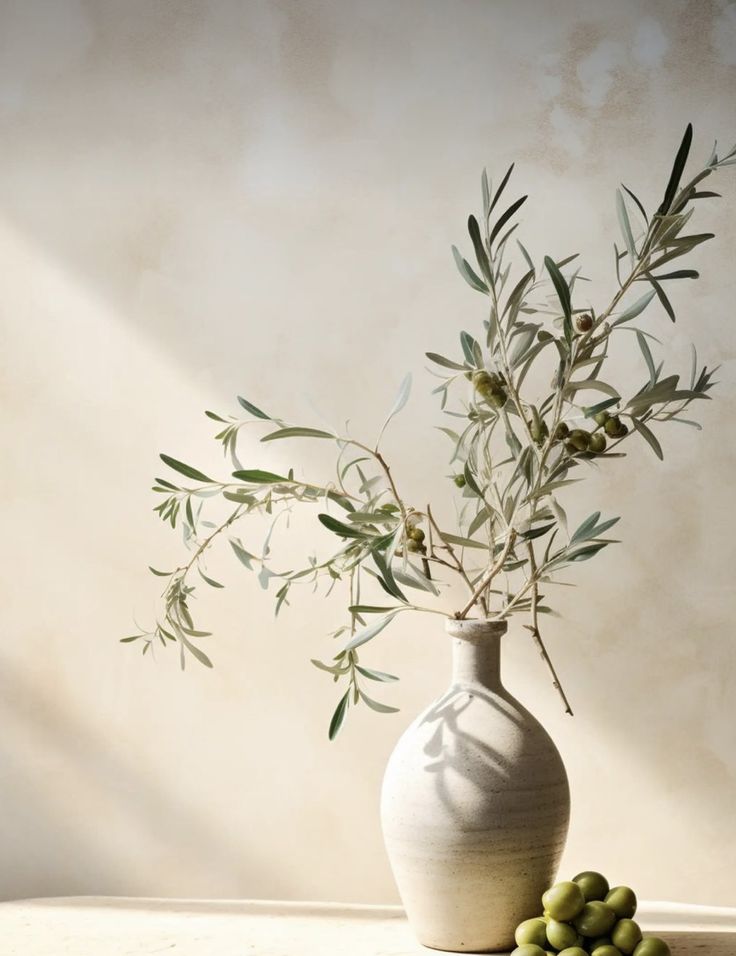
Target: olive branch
x,y
517,446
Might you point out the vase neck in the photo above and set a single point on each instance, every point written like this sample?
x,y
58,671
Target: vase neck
x,y
476,651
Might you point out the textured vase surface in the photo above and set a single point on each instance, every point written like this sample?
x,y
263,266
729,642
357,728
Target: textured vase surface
x,y
475,805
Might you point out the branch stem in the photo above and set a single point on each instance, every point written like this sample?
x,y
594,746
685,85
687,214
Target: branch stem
x,y
534,628
488,576
455,560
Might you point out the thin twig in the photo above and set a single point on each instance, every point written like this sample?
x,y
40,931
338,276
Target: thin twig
x,y
534,628
456,561
489,576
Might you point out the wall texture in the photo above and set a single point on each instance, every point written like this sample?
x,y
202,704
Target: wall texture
x,y
200,199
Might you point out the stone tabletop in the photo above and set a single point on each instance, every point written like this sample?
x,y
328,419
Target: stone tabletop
x,y
115,926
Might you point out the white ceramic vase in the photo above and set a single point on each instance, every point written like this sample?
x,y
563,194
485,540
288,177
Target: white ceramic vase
x,y
475,806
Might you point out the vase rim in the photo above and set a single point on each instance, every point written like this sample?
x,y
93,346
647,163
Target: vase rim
x,y
475,628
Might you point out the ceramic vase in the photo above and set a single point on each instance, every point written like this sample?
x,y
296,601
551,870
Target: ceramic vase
x,y
475,805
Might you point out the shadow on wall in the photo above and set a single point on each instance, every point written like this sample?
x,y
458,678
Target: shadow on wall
x,y
71,757
179,157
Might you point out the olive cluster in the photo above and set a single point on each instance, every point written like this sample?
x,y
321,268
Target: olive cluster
x,y
611,424
491,387
415,540
578,441
585,916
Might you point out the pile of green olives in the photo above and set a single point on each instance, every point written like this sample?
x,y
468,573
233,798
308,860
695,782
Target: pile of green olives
x,y
586,916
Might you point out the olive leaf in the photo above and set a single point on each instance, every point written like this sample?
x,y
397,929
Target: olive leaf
x,y
377,705
650,438
466,271
401,399
563,294
339,716
257,476
661,295
647,353
480,253
505,217
623,218
500,189
339,528
185,470
368,633
252,409
444,362
677,170
635,309
375,675
294,432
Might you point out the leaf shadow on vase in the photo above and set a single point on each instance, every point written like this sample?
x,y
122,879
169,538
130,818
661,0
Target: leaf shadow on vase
x,y
489,791
453,750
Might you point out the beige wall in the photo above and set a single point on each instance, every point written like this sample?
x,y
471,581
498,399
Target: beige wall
x,y
200,199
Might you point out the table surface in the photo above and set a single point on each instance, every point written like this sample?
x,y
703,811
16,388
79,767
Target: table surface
x,y
119,926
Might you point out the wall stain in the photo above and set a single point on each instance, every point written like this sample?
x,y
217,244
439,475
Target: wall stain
x,y
690,66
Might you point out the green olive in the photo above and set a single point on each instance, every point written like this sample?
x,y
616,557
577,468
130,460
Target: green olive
x,y
491,391
459,480
607,950
416,534
615,428
622,901
482,379
598,943
533,931
573,951
561,935
652,946
595,919
597,445
528,949
580,439
612,426
497,397
564,901
562,431
626,935
594,885
600,418
412,545
539,431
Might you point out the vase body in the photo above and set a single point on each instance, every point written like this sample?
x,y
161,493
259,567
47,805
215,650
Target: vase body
x,y
475,806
